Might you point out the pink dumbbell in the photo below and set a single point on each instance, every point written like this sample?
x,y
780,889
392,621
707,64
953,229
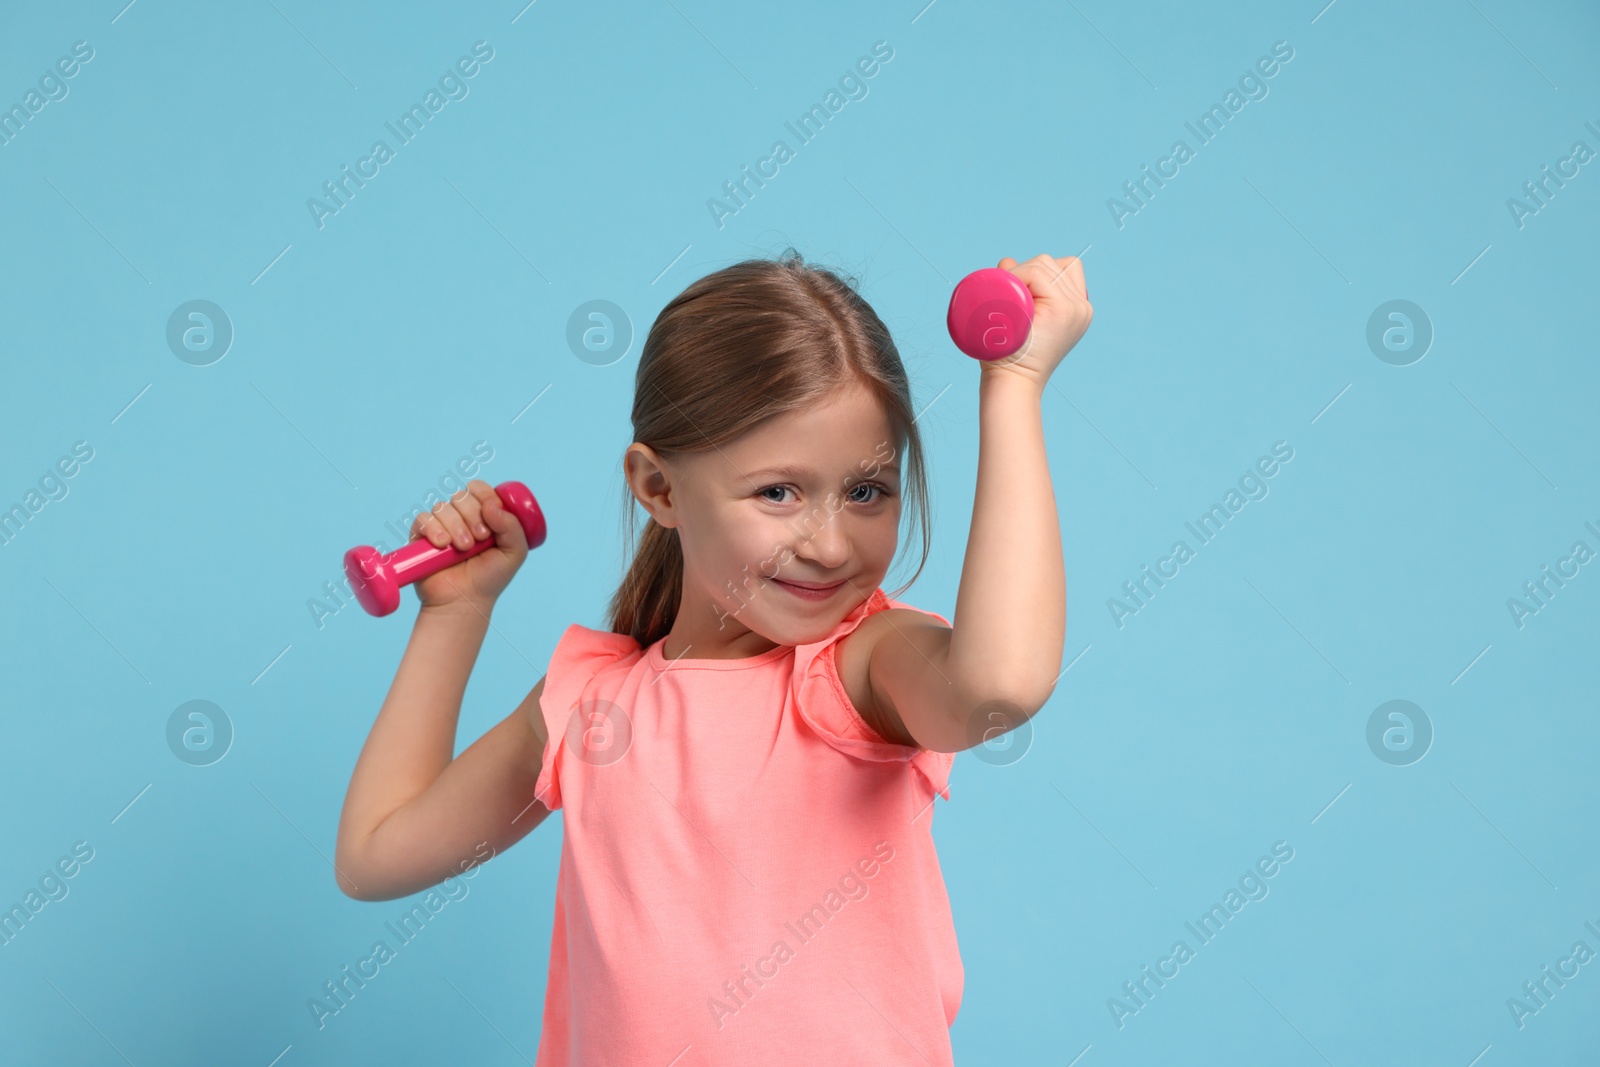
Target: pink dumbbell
x,y
376,578
991,312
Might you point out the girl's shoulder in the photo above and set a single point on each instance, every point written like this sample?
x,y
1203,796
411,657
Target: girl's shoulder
x,y
581,655
832,684
880,617
582,643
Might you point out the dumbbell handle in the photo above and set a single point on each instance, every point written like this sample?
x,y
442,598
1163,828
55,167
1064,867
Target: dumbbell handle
x,y
376,578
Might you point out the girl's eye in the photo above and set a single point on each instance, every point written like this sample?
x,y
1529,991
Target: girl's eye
x,y
868,485
854,493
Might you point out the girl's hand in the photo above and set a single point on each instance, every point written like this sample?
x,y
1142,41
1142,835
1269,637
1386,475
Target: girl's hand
x,y
1061,314
471,515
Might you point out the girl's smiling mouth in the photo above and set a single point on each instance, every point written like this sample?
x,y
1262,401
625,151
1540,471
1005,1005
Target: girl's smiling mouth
x,y
809,590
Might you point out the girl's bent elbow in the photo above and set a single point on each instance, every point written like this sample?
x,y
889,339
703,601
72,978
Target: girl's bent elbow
x,y
346,886
354,875
351,882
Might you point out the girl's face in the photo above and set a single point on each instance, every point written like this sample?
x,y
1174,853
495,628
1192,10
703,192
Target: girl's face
x,y
810,497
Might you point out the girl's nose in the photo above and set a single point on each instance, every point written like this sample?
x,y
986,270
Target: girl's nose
x,y
827,547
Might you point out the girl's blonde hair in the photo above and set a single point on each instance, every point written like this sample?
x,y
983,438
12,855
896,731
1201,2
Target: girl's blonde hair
x,y
737,347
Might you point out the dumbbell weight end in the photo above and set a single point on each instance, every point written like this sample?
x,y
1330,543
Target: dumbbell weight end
x,y
376,578
990,314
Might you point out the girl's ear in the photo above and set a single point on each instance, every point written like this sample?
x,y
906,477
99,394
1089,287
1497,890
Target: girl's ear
x,y
649,479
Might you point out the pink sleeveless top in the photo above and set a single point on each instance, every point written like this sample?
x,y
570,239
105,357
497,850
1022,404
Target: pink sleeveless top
x,y
748,873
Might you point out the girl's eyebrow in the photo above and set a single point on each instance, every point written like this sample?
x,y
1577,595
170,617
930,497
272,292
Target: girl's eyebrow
x,y
805,473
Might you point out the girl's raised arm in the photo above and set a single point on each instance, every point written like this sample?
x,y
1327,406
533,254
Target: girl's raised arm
x,y
950,689
413,816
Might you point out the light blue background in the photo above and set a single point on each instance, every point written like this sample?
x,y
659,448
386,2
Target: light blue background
x,y
1230,313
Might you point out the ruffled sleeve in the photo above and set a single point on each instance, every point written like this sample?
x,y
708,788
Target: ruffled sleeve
x,y
578,657
823,704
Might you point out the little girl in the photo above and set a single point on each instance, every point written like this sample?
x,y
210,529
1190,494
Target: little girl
x,y
747,756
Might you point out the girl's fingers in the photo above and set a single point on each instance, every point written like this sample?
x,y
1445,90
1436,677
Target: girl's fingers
x,y
1069,271
1037,274
505,527
427,526
471,515
1065,274
470,509
1066,271
487,498
508,531
446,513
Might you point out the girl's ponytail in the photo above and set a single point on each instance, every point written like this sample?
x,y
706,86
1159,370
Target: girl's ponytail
x,y
646,602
